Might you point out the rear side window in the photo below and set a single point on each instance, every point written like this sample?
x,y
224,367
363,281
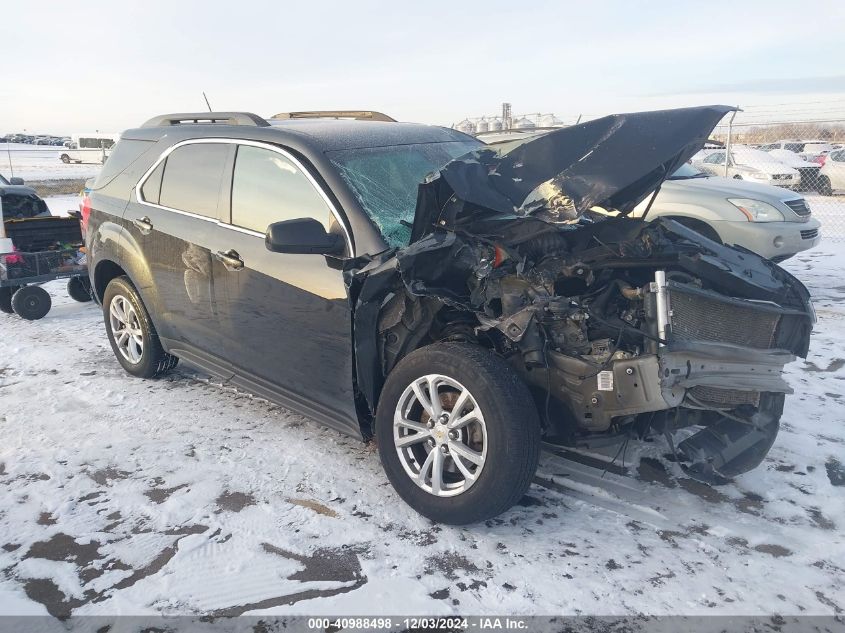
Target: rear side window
x,y
152,186
192,177
126,152
268,188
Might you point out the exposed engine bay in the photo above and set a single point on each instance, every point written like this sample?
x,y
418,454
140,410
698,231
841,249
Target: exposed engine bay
x,y
620,327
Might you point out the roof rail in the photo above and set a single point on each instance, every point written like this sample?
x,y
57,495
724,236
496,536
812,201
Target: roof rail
x,y
224,118
358,115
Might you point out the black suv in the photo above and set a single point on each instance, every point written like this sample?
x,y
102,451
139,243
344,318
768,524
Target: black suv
x,y
454,301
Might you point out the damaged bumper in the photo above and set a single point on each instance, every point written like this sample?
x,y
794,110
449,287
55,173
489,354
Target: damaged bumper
x,y
722,366
605,318
711,352
704,374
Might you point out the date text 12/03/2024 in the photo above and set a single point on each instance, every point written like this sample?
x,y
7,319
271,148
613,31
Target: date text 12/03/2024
x,y
424,623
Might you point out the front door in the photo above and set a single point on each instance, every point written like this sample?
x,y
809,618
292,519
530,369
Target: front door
x,y
286,321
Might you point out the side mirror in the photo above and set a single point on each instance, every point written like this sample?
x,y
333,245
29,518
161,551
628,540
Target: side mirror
x,y
302,236
15,181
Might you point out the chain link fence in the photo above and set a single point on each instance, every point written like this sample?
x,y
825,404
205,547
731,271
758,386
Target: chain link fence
x,y
805,156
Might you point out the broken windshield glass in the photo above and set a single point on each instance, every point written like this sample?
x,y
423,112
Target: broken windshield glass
x,y
385,180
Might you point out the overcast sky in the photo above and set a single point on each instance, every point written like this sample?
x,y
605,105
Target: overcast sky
x,y
86,65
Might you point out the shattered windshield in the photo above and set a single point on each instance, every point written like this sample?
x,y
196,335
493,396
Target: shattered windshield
x,y
385,180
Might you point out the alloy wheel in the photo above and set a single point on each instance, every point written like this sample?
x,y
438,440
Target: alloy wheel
x,y
126,329
440,435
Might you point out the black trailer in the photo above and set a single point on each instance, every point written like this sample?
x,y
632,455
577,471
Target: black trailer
x,y
45,249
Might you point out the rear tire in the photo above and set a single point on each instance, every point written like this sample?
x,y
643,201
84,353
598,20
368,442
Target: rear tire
x,y
131,333
31,302
824,186
498,450
6,299
79,289
65,159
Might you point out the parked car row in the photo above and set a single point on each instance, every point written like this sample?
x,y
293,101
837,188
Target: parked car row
x,y
31,139
779,166
810,150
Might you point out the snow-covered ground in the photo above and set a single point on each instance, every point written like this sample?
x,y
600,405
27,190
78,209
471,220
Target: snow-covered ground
x,y
186,496
40,162
830,211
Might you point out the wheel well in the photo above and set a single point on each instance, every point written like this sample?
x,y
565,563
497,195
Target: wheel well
x,y
105,271
699,226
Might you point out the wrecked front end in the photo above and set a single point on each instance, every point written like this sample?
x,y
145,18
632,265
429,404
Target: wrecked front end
x,y
620,327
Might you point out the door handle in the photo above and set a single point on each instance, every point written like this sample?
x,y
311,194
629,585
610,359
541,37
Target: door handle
x,y
144,225
230,260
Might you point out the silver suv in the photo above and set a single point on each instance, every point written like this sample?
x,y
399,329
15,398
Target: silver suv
x,y
771,221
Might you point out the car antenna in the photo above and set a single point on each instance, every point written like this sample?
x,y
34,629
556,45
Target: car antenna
x,y
206,101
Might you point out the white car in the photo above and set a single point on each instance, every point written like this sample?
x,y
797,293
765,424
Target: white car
x,y
746,163
832,174
809,171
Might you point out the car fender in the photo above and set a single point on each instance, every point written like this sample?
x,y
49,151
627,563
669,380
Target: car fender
x,y
718,211
137,268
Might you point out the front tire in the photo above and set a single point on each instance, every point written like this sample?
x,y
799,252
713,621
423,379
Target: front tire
x,y
65,159
467,454
132,335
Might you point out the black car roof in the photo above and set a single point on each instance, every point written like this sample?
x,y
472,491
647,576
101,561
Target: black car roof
x,y
334,134
319,135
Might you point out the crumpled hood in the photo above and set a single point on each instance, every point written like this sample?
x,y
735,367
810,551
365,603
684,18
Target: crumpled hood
x,y
613,162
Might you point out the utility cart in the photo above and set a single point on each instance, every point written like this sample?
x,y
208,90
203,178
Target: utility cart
x,y
34,251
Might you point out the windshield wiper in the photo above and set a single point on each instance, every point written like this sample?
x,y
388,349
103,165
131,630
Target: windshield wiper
x,y
699,175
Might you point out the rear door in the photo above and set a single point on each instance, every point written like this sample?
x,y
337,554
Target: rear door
x,y
176,225
286,323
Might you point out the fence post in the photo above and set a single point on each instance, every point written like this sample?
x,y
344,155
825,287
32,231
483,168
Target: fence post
x,y
728,144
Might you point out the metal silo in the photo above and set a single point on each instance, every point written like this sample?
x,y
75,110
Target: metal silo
x,y
523,124
466,126
550,120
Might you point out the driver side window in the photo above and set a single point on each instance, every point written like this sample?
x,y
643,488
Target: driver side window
x,y
717,158
267,187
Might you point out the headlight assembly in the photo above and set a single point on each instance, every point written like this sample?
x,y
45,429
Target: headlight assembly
x,y
757,210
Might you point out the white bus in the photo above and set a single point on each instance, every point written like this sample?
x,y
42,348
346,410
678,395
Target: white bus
x,y
89,148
